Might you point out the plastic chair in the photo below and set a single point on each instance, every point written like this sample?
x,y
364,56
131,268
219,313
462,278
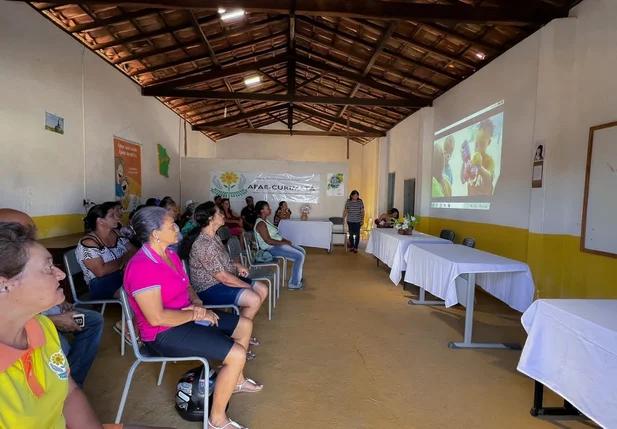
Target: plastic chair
x,y
143,355
224,233
235,252
338,221
469,242
447,234
250,259
73,268
235,308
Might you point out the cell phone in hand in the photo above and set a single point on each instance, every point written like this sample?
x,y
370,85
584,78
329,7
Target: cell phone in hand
x,y
80,319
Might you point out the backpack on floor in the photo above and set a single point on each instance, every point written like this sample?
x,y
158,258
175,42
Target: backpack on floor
x,y
190,394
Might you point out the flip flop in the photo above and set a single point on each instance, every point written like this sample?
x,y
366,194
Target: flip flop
x,y
254,342
230,424
127,335
240,387
250,355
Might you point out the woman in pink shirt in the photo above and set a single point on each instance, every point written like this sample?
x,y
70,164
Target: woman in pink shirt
x,y
172,319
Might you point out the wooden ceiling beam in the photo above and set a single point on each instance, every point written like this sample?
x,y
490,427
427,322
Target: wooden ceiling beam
x,y
202,21
358,41
100,23
420,46
216,74
243,116
331,118
365,81
235,130
280,98
206,56
508,14
381,44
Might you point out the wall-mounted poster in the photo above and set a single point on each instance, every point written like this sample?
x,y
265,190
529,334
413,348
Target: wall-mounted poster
x,y
335,185
164,160
54,123
538,164
127,173
295,188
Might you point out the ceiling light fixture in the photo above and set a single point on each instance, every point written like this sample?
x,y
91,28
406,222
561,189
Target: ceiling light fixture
x,y
480,55
226,16
221,10
252,80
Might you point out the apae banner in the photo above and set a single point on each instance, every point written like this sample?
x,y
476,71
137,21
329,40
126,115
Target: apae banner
x,y
295,188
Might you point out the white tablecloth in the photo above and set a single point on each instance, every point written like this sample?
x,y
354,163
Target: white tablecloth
x,y
436,268
389,247
572,349
310,233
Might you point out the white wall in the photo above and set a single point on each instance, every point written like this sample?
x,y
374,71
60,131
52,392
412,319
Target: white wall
x,y
287,148
196,180
403,144
513,78
44,173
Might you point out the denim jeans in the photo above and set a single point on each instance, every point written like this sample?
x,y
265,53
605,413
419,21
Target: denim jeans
x,y
297,255
81,352
354,233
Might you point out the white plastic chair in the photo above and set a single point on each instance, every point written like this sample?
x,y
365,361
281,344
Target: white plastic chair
x,y
73,268
250,258
235,252
143,355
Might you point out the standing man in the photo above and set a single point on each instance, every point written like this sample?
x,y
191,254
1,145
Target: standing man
x,y
248,214
82,350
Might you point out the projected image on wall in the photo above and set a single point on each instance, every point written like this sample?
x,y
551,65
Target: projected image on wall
x,y
467,160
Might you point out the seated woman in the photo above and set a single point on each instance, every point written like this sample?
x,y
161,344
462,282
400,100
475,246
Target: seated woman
x,y
172,319
187,222
268,238
44,396
102,255
171,207
386,220
214,276
282,213
232,221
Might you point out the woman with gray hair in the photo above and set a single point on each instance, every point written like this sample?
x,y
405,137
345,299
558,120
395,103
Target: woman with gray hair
x,y
172,319
36,390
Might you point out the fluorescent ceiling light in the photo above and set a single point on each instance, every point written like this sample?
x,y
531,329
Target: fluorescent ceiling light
x,y
252,80
231,15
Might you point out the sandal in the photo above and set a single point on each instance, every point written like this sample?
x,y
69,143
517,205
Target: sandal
x,y
250,355
127,335
254,342
240,387
229,423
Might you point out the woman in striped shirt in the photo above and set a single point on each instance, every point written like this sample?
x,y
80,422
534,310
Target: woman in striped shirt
x,y
354,214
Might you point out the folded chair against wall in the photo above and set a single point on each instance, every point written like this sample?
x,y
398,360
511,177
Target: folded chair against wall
x,y
72,269
258,274
447,234
469,242
143,355
338,229
253,264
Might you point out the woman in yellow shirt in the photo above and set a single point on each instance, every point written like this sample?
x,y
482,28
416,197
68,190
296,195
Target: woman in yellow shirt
x,y
36,390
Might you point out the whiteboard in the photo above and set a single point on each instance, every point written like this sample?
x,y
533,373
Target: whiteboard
x,y
599,227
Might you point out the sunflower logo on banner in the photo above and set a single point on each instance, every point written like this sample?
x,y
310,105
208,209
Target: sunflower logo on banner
x,y
229,185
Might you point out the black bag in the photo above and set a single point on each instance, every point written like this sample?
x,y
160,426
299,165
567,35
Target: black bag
x,y
190,394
